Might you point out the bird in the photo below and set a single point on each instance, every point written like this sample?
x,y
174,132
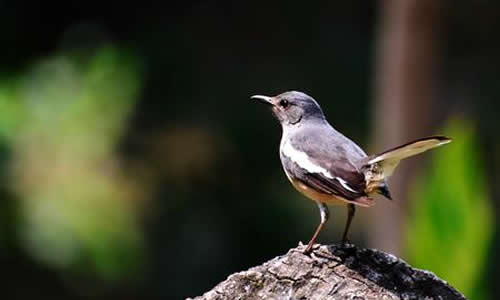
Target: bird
x,y
326,166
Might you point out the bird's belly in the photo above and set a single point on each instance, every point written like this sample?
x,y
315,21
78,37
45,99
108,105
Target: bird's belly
x,y
317,196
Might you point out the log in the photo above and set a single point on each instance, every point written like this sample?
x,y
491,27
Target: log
x,y
333,272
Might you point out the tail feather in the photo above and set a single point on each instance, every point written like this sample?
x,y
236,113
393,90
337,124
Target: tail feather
x,y
388,160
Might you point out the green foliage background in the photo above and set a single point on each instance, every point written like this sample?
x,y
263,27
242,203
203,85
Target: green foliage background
x,y
61,122
451,225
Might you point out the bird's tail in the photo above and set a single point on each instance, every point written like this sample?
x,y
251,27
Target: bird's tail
x,y
381,166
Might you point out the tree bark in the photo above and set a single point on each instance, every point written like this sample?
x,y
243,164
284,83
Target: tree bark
x,y
333,272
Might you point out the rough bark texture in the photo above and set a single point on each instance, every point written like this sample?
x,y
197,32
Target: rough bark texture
x,y
333,272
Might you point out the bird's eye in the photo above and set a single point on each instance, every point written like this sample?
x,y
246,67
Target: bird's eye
x,y
284,103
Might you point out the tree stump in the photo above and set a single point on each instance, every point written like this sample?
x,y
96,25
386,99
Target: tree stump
x,y
333,272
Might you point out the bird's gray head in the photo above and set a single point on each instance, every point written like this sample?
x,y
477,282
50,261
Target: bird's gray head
x,y
292,108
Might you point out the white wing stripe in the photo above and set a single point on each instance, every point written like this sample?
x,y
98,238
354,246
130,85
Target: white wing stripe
x,y
302,159
344,184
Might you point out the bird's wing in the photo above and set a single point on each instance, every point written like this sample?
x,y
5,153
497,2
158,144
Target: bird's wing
x,y
324,167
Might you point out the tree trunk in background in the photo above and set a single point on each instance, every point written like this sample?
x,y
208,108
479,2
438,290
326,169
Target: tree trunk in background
x,y
405,74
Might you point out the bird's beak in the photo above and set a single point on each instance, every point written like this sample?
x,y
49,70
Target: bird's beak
x,y
264,99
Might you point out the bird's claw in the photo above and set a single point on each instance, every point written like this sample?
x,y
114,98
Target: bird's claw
x,y
345,242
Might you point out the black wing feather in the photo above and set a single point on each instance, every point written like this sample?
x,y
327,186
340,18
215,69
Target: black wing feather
x,y
330,186
334,153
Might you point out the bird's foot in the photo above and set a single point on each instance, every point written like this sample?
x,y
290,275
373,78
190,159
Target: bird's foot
x,y
345,243
310,247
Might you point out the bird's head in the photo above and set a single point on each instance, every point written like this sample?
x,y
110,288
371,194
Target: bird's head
x,y
292,108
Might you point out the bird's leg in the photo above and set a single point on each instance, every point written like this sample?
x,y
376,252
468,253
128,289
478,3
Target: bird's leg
x,y
325,214
351,209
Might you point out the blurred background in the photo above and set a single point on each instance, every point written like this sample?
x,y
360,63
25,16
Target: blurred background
x,y
134,164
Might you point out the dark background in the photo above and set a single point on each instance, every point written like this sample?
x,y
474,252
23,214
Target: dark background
x,y
213,199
